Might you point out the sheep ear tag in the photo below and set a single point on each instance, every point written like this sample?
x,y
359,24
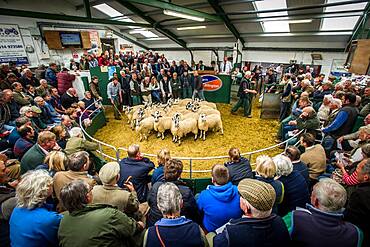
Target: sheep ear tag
x,y
211,83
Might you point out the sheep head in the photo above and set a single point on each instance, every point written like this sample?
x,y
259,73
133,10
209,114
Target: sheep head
x,y
203,117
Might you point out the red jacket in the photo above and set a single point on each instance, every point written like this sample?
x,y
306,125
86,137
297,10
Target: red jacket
x,y
64,81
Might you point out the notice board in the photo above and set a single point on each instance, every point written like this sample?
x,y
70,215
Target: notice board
x,y
11,45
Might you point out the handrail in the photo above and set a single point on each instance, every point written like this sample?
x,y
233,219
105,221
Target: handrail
x,y
117,150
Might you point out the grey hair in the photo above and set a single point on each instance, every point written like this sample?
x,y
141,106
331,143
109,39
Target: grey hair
x,y
283,164
169,199
38,98
331,195
73,195
336,102
258,214
43,80
33,189
75,132
366,168
24,110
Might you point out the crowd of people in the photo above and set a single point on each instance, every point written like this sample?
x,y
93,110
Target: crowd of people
x,y
51,193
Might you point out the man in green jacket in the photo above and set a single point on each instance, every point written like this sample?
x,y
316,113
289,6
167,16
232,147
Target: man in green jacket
x,y
245,94
308,120
76,143
35,156
19,97
87,224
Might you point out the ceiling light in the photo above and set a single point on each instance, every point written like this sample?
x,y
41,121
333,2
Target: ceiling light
x,y
108,10
190,28
300,21
182,15
144,32
159,38
139,30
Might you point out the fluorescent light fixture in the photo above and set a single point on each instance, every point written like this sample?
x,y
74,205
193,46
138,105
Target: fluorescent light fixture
x,y
182,15
108,10
190,28
139,30
334,33
273,26
159,38
144,32
276,34
300,21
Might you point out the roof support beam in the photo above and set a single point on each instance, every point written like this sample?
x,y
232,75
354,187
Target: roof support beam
x,y
226,20
174,7
304,7
58,17
87,8
359,27
332,14
148,19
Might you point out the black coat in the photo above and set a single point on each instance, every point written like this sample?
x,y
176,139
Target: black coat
x,y
189,208
66,100
358,210
239,170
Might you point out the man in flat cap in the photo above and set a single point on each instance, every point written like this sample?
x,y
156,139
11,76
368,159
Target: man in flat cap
x,y
257,227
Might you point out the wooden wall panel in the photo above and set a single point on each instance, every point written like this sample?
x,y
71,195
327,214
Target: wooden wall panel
x,y
53,40
361,57
85,38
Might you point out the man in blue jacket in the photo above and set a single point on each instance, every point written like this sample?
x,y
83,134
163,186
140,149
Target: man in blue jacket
x,y
219,202
137,168
51,76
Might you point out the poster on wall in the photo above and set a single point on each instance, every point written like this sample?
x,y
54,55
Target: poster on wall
x,y
95,42
11,45
111,71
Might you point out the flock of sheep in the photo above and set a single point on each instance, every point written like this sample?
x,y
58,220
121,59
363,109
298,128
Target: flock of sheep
x,y
180,117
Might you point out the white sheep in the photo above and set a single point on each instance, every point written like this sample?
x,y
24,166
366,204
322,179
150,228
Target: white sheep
x,y
209,104
180,128
207,122
144,126
161,123
138,114
183,102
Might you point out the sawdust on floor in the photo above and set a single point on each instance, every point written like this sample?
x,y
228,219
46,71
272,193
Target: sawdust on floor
x,y
247,134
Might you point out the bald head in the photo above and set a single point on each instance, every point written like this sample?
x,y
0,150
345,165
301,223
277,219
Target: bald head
x,y
133,150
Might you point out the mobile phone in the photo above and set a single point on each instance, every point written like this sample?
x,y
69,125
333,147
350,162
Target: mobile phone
x,y
128,179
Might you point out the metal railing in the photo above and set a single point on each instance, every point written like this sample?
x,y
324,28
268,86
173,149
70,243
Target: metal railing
x,y
118,150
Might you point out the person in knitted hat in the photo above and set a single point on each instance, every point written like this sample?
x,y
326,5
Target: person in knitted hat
x,y
257,227
110,193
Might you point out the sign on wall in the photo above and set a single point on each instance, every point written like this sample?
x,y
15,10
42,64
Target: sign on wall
x,y
12,48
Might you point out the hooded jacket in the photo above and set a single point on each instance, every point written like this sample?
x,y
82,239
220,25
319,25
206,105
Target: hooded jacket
x,y
219,204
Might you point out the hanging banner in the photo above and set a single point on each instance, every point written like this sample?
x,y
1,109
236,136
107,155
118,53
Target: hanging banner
x,y
11,45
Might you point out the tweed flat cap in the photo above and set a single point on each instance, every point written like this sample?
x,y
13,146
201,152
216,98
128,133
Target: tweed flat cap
x,y
108,172
259,194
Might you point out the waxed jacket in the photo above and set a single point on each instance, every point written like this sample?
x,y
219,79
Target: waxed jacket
x,y
97,225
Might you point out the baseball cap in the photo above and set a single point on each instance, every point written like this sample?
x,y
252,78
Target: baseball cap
x,y
259,194
108,172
